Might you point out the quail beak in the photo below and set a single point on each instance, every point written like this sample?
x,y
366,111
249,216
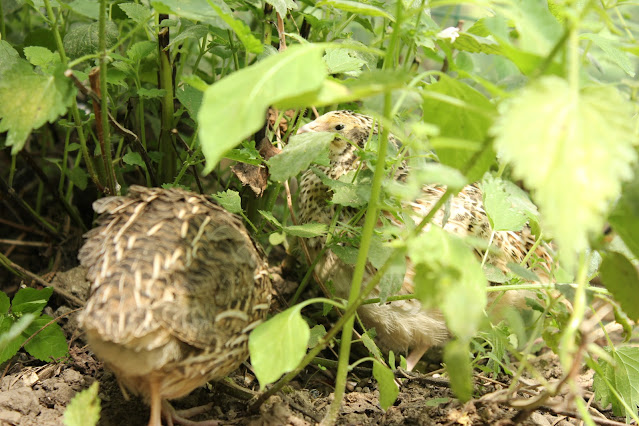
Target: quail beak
x,y
306,128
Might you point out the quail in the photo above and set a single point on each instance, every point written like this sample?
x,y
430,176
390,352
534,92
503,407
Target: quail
x,y
402,326
177,286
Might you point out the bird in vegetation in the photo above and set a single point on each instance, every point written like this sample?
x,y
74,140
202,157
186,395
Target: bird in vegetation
x,y
177,285
402,326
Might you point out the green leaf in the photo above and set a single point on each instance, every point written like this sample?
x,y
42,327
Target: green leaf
x,y
449,276
282,6
388,389
84,408
623,376
141,50
41,56
343,61
366,85
30,300
83,39
357,8
298,155
460,112
522,272
624,216
307,230
10,58
620,276
507,206
243,32
29,100
151,93
248,93
459,369
4,303
191,98
48,343
136,12
613,53
133,158
11,335
269,216
78,176
574,154
230,200
197,10
317,333
195,32
88,8
278,345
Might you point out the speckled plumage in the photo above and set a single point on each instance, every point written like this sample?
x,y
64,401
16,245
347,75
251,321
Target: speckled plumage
x,y
403,325
177,285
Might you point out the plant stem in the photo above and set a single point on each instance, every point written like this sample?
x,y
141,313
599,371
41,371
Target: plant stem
x,y
110,176
167,167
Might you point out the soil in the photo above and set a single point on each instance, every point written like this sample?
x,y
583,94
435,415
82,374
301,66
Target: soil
x,y
35,393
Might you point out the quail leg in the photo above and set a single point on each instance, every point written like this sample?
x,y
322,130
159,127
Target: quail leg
x,y
174,416
414,356
156,404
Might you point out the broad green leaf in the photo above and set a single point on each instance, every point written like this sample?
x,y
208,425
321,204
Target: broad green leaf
x,y
243,32
343,61
136,12
282,6
191,98
507,206
83,39
269,216
133,158
347,192
468,42
141,50
613,53
195,32
230,200
620,276
624,216
460,112
84,408
307,230
78,176
249,92
522,272
29,100
623,376
11,337
48,343
317,333
30,300
298,155
357,8
88,8
366,85
41,56
449,276
278,345
459,369
10,58
388,389
4,303
151,93
574,154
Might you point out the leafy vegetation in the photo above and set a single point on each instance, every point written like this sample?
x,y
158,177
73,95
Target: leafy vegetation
x,y
96,96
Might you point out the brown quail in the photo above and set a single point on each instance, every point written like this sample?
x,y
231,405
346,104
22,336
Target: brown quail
x,y
177,286
401,326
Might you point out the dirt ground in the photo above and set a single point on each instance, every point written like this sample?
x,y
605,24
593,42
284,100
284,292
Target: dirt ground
x,y
35,393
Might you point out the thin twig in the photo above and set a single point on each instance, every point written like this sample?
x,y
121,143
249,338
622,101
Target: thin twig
x,y
24,243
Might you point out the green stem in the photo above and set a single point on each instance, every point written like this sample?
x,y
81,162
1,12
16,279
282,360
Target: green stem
x,y
106,134
3,29
236,60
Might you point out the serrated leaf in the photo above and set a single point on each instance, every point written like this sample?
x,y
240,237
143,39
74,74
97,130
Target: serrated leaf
x,y
298,155
307,230
449,276
573,155
624,215
40,56
11,335
317,333
269,216
195,32
83,39
369,343
29,100
388,389
620,276
191,98
623,376
507,206
230,200
343,61
133,158
459,369
460,112
346,254
282,6
243,31
613,53
249,92
140,50
278,345
10,58
84,408
78,176
136,12
472,43
151,93
357,8
48,343
30,300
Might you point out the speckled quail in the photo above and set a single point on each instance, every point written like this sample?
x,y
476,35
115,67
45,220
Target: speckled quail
x,y
177,285
401,326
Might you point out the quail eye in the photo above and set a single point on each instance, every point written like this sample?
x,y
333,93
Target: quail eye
x,y
339,127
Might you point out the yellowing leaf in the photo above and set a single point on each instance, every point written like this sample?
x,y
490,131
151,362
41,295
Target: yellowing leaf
x,y
573,150
84,408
